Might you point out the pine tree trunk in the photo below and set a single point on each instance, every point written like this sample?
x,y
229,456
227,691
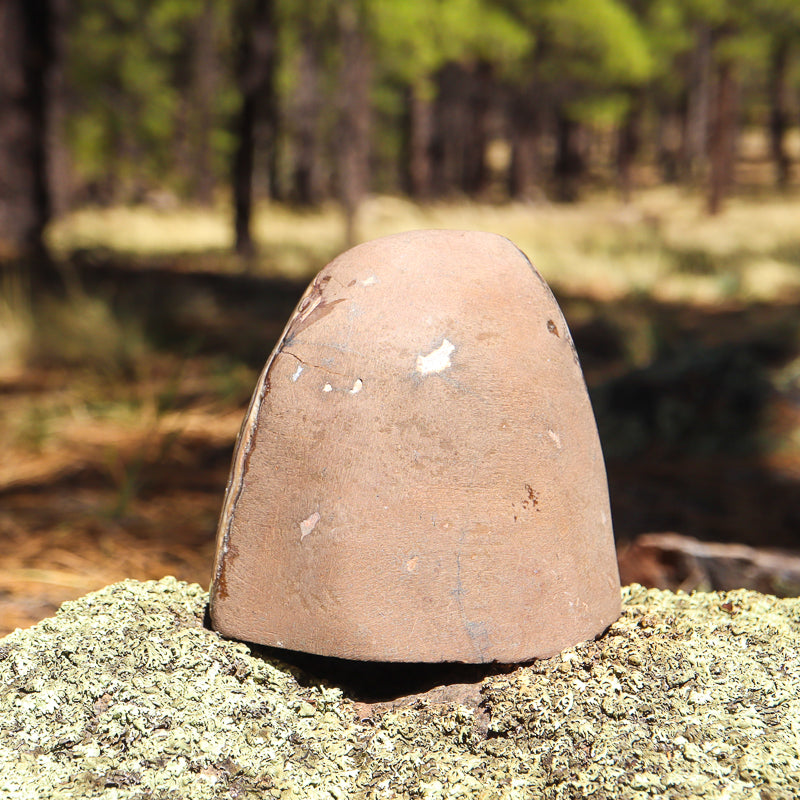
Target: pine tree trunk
x,y
475,174
256,76
569,164
696,125
669,124
778,90
26,60
307,104
59,163
451,119
628,143
524,173
416,153
205,78
723,134
460,135
354,120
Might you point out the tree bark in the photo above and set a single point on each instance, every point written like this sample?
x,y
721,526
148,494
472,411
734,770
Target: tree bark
x,y
669,124
778,91
525,121
460,135
723,132
569,164
475,174
628,143
354,120
26,61
416,153
450,120
256,79
205,78
306,107
697,109
59,163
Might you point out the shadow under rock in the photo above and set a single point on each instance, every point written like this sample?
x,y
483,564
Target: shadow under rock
x,y
238,315
376,686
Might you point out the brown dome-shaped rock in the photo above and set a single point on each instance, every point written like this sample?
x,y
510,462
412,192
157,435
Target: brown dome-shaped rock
x,y
419,476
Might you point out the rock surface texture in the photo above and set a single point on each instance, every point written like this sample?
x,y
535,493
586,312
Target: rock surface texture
x,y
419,476
125,694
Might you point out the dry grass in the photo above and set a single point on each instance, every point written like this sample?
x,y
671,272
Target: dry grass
x,y
661,244
16,326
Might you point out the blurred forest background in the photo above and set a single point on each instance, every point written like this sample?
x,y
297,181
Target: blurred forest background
x,y
173,172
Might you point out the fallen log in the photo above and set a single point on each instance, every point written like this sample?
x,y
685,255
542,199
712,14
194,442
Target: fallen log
x,y
674,561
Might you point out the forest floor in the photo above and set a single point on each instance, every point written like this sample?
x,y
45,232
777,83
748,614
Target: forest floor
x,y
120,398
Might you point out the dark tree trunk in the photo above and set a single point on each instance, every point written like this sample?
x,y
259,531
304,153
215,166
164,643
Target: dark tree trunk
x,y
416,153
354,121
256,78
778,89
569,166
26,60
59,164
205,78
669,127
475,176
697,108
525,122
460,135
307,105
723,133
449,122
628,144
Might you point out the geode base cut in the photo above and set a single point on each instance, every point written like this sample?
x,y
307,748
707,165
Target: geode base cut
x,y
419,476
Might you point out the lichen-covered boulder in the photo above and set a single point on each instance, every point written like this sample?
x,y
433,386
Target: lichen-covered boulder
x,y
419,476
125,694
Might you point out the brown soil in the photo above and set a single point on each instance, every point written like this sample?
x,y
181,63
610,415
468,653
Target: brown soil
x,y
65,534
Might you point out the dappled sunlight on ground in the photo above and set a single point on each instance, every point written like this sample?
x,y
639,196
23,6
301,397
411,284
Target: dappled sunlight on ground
x,y
662,243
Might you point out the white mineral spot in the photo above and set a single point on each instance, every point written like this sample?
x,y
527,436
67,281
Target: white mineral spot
x,y
555,437
436,361
371,281
327,388
297,373
308,525
357,386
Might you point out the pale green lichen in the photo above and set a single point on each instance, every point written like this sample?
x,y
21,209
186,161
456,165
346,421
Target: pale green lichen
x,y
124,694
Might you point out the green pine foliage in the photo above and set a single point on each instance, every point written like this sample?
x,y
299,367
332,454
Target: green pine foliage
x,y
128,65
136,119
